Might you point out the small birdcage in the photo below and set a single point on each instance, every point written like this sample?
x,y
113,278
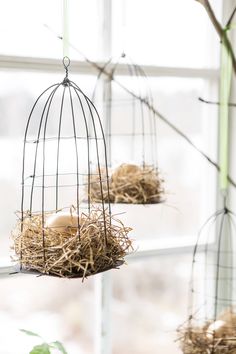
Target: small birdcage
x,y
211,326
131,134
60,232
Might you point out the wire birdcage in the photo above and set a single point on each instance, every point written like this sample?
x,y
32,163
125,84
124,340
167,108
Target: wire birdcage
x,y
211,326
131,133
60,231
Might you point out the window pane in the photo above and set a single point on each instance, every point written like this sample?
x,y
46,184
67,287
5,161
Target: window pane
x,y
23,30
145,311
17,98
166,33
56,309
190,181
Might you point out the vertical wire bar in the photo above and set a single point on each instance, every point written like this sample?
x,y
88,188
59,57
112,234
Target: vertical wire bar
x,y
104,68
152,118
218,265
225,264
108,118
205,293
109,107
233,261
37,145
142,117
155,135
88,148
191,309
192,276
23,162
133,126
108,132
107,99
229,259
77,158
58,146
131,74
65,36
207,254
43,174
24,151
91,106
106,165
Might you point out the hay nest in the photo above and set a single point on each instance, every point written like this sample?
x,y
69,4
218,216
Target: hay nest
x,y
214,337
99,245
129,184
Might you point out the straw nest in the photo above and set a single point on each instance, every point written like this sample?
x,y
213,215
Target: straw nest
x,y
100,245
129,184
214,337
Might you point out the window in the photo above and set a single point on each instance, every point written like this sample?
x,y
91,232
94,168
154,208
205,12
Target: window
x,y
172,34
179,50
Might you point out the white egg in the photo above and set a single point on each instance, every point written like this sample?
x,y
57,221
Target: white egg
x,y
216,329
62,220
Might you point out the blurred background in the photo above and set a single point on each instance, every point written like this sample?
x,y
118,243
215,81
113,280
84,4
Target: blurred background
x,y
177,46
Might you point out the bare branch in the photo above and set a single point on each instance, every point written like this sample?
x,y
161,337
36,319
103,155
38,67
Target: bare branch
x,y
219,29
155,111
231,18
215,103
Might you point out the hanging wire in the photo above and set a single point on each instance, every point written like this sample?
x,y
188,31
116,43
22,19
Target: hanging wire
x,y
65,38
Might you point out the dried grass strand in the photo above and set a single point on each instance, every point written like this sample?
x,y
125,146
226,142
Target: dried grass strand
x,y
129,184
65,254
194,339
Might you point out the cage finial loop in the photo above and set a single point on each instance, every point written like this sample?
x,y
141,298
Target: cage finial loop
x,y
224,196
66,64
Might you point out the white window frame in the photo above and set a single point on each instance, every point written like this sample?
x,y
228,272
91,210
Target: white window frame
x,y
146,249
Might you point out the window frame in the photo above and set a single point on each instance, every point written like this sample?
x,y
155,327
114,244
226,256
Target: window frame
x,y
145,249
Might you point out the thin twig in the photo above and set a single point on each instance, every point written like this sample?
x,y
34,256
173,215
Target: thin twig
x,y
231,18
219,29
151,107
215,102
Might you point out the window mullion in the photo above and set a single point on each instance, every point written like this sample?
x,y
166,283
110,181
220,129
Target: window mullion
x,y
103,282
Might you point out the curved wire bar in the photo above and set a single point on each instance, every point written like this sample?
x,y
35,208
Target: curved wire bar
x,y
78,111
140,110
219,269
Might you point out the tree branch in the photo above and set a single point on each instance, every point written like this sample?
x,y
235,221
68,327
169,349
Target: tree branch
x,y
231,18
219,29
215,102
154,110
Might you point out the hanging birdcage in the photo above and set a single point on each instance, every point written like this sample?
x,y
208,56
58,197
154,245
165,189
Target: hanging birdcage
x,y
211,326
60,232
131,134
